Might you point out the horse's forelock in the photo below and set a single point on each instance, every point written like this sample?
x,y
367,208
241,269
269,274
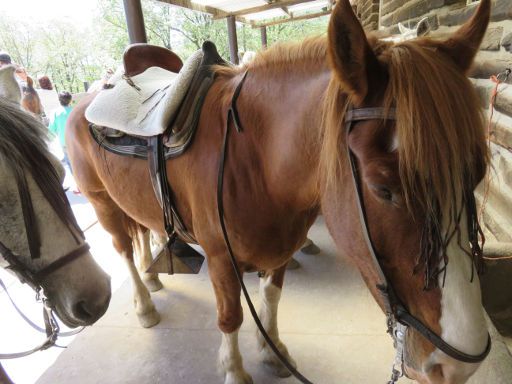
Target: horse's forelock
x,y
439,125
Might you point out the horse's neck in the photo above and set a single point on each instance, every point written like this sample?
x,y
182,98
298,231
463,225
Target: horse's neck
x,y
285,111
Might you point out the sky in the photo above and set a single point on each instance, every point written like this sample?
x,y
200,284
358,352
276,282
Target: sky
x,y
77,11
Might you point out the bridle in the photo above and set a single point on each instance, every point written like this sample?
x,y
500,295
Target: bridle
x,y
398,317
35,280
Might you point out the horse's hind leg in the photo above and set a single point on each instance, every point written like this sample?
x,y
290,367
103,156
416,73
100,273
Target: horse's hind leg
x,y
270,292
144,259
123,231
230,317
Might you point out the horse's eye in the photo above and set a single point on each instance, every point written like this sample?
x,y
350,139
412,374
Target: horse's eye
x,y
384,193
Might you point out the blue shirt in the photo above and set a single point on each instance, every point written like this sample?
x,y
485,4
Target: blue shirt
x,y
58,123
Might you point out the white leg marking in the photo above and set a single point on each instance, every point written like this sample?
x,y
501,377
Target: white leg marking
x,y
144,259
230,360
270,296
144,307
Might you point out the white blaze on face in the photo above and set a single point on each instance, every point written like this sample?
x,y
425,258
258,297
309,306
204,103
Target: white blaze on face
x,y
462,319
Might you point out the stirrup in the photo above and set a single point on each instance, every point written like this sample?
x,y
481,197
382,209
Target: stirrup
x,y
182,259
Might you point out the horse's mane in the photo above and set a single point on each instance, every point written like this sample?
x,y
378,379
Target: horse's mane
x,y
440,130
23,147
283,56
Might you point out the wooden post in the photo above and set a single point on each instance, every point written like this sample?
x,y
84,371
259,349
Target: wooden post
x,y
263,32
233,43
135,21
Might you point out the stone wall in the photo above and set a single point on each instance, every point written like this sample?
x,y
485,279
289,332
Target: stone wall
x,y
446,15
368,13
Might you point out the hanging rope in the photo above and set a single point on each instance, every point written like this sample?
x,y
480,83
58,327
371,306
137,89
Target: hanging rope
x,y
498,79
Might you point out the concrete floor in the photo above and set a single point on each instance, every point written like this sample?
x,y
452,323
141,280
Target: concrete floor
x,y
328,320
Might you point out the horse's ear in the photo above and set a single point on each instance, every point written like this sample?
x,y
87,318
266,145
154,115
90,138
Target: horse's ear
x,y
423,28
463,46
349,51
402,28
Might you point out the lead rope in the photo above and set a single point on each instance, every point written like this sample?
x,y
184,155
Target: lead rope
x,y
233,115
498,79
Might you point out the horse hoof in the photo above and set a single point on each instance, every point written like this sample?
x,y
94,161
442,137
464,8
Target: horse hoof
x,y
238,378
292,264
153,285
150,319
276,368
311,249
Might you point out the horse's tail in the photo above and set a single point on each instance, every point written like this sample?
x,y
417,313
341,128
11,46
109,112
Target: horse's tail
x,y
137,233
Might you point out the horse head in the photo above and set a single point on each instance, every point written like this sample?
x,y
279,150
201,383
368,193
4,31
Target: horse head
x,y
417,159
38,227
9,87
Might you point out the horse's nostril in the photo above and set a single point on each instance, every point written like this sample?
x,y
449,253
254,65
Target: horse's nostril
x,y
81,311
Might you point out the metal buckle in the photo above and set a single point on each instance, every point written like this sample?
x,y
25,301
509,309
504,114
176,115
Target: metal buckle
x,y
399,332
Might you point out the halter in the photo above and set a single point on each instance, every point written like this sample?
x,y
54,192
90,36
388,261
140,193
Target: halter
x,y
35,279
398,316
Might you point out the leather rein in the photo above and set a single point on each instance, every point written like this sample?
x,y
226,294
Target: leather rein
x,y
398,316
35,280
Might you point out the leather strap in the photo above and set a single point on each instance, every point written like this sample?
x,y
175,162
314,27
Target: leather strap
x,y
158,172
63,261
406,318
234,116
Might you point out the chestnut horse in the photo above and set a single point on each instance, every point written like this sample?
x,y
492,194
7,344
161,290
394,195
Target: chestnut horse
x,y
39,237
290,159
30,100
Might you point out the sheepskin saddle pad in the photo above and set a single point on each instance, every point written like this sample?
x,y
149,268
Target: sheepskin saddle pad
x,y
144,104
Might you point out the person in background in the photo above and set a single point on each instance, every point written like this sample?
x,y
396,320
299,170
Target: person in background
x,y
98,84
21,74
48,95
5,59
58,120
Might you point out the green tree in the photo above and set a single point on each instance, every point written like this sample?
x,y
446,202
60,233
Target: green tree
x,y
19,39
71,56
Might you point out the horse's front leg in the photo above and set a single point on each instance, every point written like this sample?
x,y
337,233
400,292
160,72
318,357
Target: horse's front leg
x,y
270,292
230,317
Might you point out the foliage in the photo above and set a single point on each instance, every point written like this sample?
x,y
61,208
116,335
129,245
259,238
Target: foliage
x,y
71,56
18,38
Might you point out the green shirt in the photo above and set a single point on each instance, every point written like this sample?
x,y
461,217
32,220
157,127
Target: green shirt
x,y
58,123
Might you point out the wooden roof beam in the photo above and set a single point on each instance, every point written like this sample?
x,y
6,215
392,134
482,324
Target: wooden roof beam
x,y
289,19
215,12
260,8
285,9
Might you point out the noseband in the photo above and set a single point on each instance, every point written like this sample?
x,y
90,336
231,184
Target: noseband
x,y
398,316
